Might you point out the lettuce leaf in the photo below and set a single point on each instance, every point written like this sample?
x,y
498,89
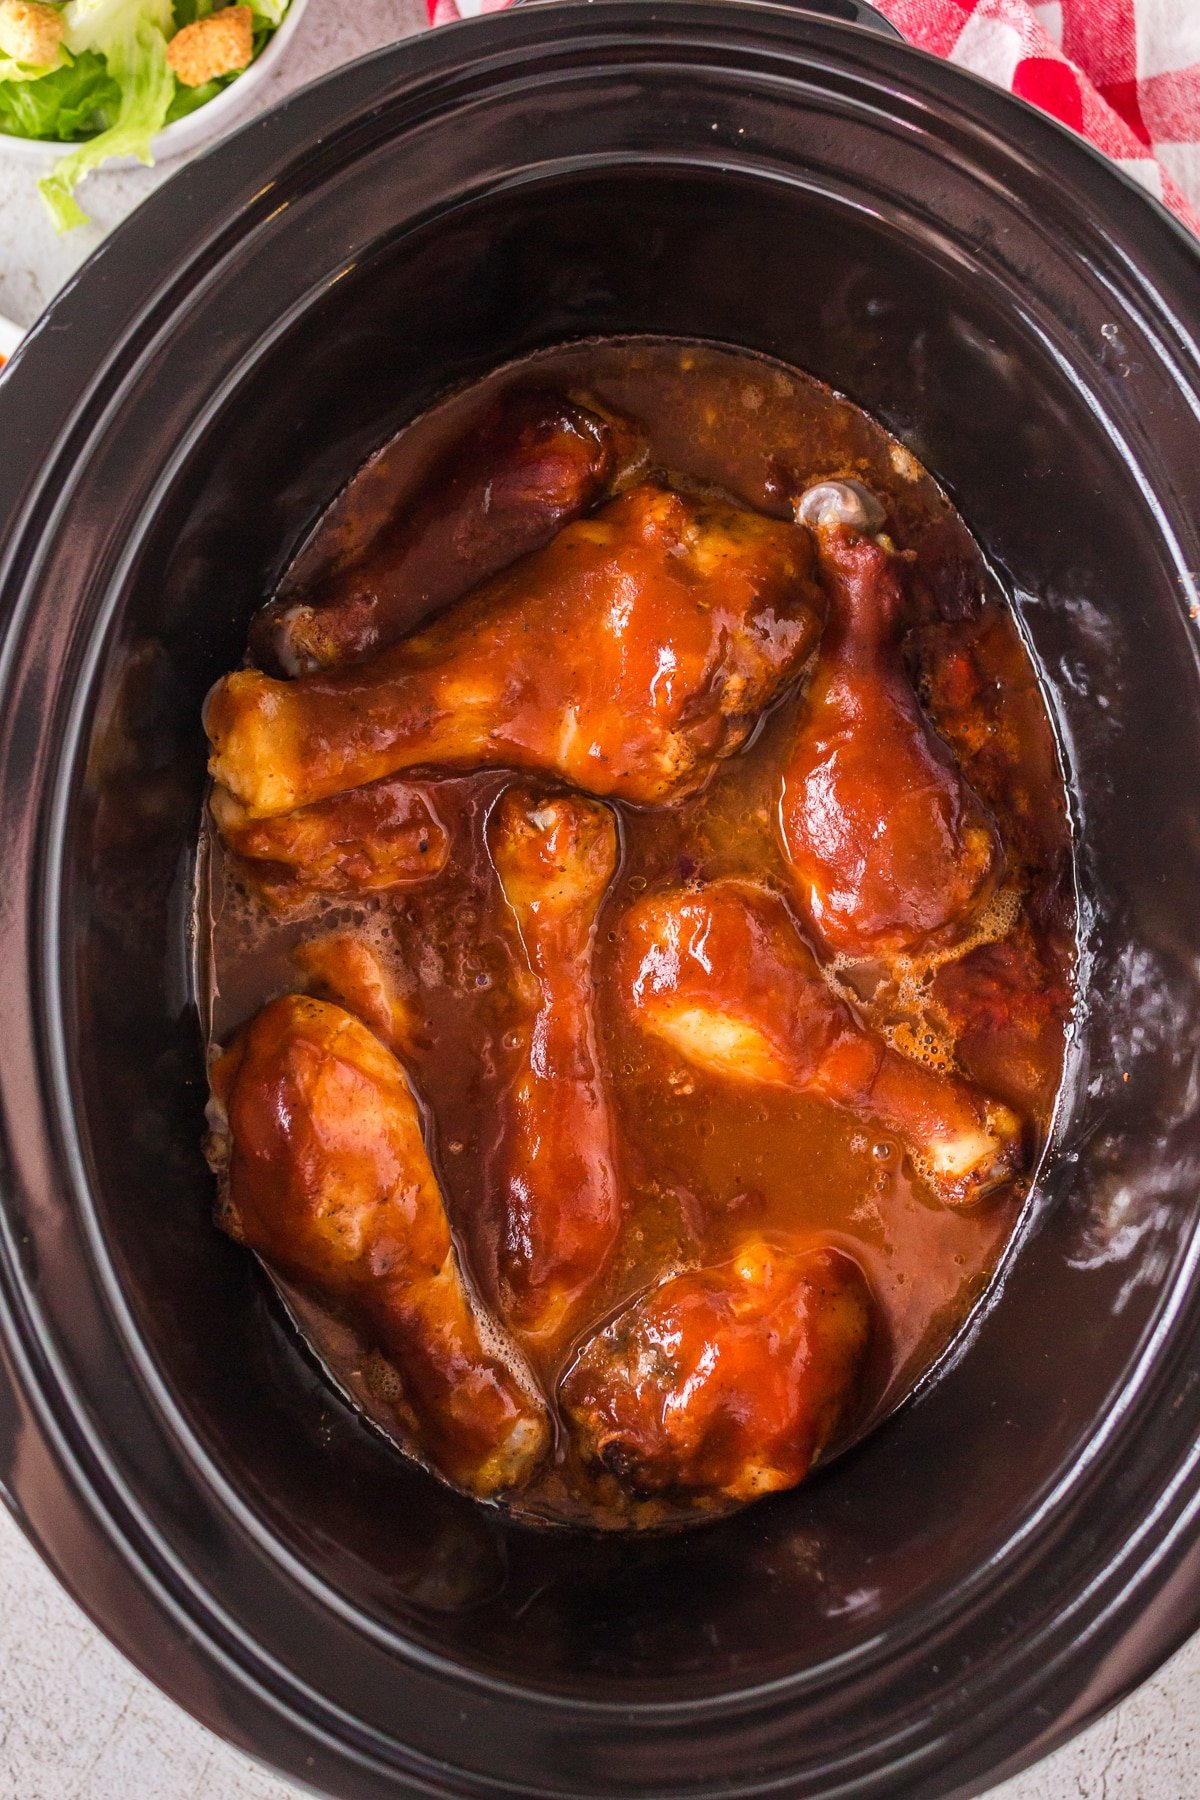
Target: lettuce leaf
x,y
189,100
112,27
71,103
115,91
19,71
131,35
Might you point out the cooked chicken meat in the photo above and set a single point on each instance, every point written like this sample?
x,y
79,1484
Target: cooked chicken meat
x,y
626,657
328,1179
385,835
722,974
343,966
889,847
728,1380
561,1208
664,828
534,461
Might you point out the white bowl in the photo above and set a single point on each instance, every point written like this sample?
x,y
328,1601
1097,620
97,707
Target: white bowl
x,y
10,336
194,128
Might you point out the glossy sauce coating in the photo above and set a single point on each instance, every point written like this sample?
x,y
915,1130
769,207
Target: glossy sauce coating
x,y
866,768
330,1182
720,972
530,468
789,1329
708,1167
384,835
560,1202
637,646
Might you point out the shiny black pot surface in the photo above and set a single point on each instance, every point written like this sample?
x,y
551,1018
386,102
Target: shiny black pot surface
x,y
1017,1546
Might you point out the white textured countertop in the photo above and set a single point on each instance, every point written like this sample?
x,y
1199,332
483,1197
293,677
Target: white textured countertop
x,y
76,1721
34,263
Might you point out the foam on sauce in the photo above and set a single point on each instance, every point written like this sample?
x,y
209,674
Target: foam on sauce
x,y
704,1160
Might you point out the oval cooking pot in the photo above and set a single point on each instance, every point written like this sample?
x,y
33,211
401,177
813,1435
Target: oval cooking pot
x,y
1016,1546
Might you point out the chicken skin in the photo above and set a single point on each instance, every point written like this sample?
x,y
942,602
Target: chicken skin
x,y
555,857
626,657
329,1181
728,1381
889,847
385,835
343,966
722,975
534,462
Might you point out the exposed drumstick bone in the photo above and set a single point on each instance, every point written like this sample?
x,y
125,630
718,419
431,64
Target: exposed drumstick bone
x,y
889,847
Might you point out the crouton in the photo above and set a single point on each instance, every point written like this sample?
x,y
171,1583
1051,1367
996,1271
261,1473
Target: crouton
x,y
30,32
218,45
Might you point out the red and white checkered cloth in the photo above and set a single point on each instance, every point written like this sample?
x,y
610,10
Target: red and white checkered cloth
x,y
1123,73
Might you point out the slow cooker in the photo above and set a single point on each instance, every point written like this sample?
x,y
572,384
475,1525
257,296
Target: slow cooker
x,y
1018,1544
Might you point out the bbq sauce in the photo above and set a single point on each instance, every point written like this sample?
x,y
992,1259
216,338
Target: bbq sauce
x,y
705,1161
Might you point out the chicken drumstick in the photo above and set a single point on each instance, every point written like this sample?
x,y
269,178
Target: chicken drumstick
x,y
329,1181
533,462
555,858
346,968
722,975
626,657
385,835
889,847
729,1380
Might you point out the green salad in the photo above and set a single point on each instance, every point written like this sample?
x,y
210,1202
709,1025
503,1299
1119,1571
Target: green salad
x,y
107,75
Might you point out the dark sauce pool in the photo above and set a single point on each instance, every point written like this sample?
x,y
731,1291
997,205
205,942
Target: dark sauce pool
x,y
703,1160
